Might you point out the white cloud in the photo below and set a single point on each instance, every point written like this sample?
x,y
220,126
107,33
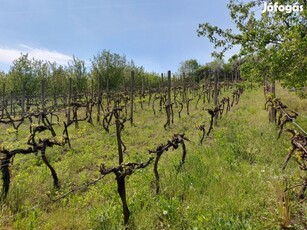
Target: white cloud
x,y
8,55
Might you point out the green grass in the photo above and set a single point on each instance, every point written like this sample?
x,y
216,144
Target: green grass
x,y
232,181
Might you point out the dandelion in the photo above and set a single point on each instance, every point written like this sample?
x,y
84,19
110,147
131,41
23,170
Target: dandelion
x,y
165,212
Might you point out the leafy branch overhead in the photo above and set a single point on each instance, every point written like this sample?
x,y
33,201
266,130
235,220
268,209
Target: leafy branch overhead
x,y
271,43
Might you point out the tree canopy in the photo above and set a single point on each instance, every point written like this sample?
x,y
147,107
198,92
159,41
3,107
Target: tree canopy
x,y
272,43
189,67
114,70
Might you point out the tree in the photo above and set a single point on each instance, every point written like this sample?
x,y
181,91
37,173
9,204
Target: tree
x,y
77,72
21,73
189,67
225,69
2,77
273,44
139,74
202,72
58,79
110,67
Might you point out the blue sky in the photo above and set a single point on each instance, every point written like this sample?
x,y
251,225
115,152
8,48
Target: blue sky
x,y
155,34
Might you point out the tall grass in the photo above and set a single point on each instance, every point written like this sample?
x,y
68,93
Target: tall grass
x,y
232,181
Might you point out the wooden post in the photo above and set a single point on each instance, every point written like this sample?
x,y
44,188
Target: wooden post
x,y
68,100
131,96
174,87
43,94
169,76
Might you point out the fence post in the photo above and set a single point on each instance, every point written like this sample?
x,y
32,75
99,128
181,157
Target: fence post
x,y
131,96
174,87
168,107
